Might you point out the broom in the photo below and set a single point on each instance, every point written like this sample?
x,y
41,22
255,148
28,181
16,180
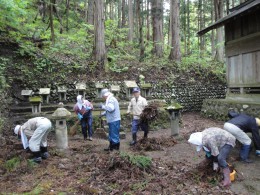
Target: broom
x,y
74,128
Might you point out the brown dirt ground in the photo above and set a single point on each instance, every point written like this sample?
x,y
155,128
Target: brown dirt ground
x,y
86,169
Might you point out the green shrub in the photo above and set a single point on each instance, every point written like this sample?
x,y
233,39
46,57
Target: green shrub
x,y
138,160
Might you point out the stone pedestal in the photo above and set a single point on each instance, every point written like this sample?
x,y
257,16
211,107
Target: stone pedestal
x,y
61,131
174,113
36,103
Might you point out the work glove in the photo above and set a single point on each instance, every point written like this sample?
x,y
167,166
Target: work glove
x,y
80,116
208,155
215,166
88,108
102,106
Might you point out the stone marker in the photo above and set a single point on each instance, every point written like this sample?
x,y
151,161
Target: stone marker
x,y
129,87
27,93
62,91
81,89
45,94
146,89
115,89
61,131
99,87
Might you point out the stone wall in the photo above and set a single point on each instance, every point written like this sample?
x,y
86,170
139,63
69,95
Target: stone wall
x,y
218,108
190,96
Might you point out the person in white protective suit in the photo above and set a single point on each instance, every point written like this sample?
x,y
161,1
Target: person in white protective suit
x,y
37,128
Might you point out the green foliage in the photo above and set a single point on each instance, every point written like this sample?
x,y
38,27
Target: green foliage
x,y
138,160
12,164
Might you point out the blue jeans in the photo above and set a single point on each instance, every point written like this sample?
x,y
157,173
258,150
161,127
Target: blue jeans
x,y
86,122
223,154
136,124
113,135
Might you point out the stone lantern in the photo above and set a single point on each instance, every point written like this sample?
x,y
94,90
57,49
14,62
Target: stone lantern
x,y
61,132
174,112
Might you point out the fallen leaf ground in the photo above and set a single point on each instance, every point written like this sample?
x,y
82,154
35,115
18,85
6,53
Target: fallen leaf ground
x,y
85,168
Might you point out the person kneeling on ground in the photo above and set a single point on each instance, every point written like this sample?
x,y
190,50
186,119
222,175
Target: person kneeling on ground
x,y
112,113
238,126
37,128
83,109
217,143
136,106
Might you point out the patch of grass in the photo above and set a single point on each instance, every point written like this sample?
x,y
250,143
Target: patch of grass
x,y
138,160
11,164
31,164
139,186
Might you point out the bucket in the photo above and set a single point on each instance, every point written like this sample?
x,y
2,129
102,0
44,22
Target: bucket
x,y
232,175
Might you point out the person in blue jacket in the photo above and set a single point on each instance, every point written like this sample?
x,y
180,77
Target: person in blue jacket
x,y
238,126
112,113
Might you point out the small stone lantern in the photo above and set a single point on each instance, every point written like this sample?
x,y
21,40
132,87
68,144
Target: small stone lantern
x,y
61,132
174,112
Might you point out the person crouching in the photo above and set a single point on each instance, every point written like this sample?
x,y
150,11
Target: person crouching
x,y
37,128
217,143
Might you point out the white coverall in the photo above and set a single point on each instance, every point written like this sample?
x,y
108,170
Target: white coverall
x,y
37,128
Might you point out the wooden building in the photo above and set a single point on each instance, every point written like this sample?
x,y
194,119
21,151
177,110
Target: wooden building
x,y
242,50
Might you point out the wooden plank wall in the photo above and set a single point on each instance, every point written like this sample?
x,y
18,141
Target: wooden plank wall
x,y
243,51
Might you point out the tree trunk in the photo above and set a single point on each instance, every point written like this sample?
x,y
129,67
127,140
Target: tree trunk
x,y
90,12
157,15
188,26
175,53
51,21
184,22
148,20
119,14
219,10
123,14
67,14
131,20
99,50
201,26
213,51
141,36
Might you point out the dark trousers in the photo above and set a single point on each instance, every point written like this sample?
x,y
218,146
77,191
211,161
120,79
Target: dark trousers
x,y
223,154
136,124
256,138
86,122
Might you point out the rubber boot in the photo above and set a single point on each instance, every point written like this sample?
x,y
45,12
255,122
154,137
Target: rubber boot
x,y
134,139
44,152
244,153
117,146
145,134
110,147
226,173
37,157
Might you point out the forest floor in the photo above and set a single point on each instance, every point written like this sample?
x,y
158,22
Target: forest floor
x,y
176,167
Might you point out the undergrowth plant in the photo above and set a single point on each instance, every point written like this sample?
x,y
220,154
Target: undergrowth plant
x,y
138,160
12,164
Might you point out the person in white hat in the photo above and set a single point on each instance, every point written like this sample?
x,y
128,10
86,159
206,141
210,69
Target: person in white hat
x,y
136,107
112,113
217,143
37,129
83,109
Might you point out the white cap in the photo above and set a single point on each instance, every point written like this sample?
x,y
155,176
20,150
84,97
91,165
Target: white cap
x,y
196,139
105,92
16,129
